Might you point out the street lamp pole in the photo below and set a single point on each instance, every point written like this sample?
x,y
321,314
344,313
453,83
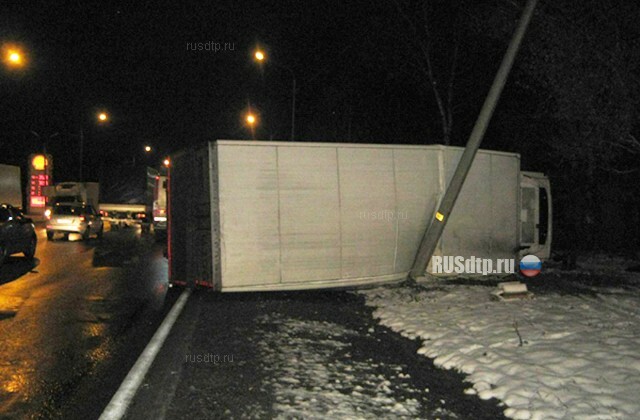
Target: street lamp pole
x,y
293,109
81,152
102,117
261,56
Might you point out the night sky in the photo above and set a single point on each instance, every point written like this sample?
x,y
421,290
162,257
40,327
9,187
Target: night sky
x,y
135,60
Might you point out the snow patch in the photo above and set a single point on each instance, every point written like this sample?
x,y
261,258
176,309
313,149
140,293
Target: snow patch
x,y
552,357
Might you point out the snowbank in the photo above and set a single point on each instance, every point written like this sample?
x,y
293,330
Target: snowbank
x,y
551,357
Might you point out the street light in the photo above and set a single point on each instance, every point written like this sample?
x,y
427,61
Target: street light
x,y
103,117
166,162
251,120
13,56
147,149
261,56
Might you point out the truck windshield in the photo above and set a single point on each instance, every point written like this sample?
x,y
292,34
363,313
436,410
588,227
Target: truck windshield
x,y
64,199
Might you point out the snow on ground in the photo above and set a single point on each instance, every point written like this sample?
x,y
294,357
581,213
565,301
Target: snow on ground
x,y
314,376
579,356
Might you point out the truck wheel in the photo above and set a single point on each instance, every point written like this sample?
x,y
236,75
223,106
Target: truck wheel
x,y
31,249
86,234
50,234
66,236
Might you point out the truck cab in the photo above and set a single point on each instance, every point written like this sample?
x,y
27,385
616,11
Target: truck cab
x,y
535,215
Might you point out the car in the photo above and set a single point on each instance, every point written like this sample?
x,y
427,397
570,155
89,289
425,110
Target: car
x,y
17,233
74,218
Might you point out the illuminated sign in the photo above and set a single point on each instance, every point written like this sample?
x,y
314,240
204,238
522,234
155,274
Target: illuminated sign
x,y
37,201
39,162
40,169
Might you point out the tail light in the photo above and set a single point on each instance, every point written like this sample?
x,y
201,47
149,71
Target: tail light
x,y
82,218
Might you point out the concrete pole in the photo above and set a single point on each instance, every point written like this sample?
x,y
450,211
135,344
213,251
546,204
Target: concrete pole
x,y
434,231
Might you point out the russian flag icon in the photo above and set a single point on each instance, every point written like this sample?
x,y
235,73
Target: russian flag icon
x,y
530,265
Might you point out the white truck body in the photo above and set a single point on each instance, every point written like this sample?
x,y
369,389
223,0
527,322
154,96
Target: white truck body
x,y
250,216
159,209
10,189
74,192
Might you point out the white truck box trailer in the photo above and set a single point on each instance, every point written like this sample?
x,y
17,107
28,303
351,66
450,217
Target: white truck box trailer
x,y
254,215
73,192
10,190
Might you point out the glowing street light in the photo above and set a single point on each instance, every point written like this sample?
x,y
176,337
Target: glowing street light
x,y
166,162
147,149
103,117
252,120
13,56
259,55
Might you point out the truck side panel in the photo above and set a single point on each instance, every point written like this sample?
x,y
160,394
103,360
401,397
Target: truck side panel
x,y
309,214
417,190
249,218
484,220
367,196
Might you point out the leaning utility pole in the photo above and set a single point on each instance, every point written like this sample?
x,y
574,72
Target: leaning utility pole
x,y
434,231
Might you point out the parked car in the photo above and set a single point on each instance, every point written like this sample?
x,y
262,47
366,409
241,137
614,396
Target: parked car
x,y
67,218
17,233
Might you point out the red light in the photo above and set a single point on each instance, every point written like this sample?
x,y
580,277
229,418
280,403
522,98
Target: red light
x,y
37,201
82,218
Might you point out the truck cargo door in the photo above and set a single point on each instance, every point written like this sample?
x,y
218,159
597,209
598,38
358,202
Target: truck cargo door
x,y
535,215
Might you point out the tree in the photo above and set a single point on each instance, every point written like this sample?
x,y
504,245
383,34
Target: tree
x,y
577,78
433,35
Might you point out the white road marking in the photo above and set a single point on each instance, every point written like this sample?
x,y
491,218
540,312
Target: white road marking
x,y
118,405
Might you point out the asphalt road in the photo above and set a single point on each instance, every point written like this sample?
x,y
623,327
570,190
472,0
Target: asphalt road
x,y
317,354
74,320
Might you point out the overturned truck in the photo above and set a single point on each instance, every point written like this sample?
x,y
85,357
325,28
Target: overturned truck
x,y
251,216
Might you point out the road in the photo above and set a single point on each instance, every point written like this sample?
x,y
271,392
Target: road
x,y
73,322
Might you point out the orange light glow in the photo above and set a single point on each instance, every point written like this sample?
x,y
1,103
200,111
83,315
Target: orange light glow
x,y
259,55
103,116
166,162
13,56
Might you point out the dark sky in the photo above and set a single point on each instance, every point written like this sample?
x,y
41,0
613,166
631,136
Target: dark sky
x,y
132,60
